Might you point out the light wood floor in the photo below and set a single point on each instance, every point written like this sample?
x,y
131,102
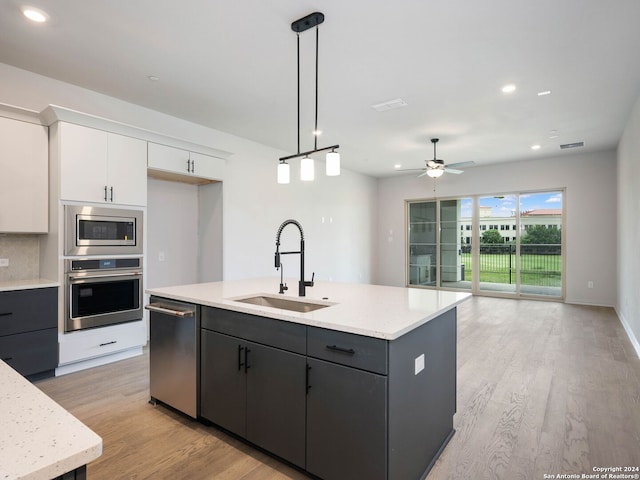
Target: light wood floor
x,y
543,388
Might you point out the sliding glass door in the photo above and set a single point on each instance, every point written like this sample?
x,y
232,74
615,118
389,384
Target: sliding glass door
x,y
506,245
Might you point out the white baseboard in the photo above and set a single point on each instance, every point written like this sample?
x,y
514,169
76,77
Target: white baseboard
x,y
630,334
96,362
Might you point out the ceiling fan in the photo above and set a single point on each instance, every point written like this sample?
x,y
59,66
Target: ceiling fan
x,y
436,167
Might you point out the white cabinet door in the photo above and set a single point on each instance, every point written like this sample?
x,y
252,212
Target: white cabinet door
x,y
83,163
101,167
187,166
24,177
168,159
127,170
205,166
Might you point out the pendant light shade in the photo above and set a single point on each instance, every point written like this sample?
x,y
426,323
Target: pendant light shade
x,y
283,172
307,171
333,164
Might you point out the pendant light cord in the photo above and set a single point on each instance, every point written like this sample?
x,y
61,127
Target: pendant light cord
x,y
298,35
315,134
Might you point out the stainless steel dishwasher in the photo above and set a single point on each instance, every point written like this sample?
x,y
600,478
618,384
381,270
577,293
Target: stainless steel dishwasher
x,y
174,344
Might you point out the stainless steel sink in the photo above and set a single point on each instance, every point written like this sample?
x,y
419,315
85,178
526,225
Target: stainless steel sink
x,y
302,306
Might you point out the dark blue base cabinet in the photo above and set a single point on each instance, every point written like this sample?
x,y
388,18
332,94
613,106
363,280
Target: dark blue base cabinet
x,y
337,405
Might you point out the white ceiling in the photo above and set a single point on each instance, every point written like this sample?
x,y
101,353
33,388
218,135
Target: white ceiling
x,y
231,65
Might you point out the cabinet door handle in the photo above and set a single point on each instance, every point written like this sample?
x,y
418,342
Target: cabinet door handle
x,y
246,360
188,166
105,193
193,166
108,343
111,194
6,314
7,359
240,362
308,386
335,348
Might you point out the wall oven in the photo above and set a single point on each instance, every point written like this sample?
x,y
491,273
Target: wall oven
x,y
102,231
102,291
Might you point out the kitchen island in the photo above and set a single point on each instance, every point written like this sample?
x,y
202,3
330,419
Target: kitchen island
x,y
40,440
351,381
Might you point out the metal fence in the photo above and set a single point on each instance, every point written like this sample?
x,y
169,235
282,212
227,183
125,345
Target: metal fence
x,y
540,264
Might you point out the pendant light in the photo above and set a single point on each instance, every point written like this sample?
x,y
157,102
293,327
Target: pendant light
x,y
307,172
283,172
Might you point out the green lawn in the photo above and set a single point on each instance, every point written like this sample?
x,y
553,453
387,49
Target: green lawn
x,y
543,270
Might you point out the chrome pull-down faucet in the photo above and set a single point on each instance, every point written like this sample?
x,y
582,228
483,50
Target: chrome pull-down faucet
x,y
302,284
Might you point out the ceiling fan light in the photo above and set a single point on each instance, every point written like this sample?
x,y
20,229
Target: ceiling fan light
x,y
307,171
435,172
283,172
333,164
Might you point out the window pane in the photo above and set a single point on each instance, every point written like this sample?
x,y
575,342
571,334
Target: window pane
x,y
497,250
422,243
453,270
541,244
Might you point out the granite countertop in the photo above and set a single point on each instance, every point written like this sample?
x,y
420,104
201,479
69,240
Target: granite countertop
x,y
370,310
40,439
9,285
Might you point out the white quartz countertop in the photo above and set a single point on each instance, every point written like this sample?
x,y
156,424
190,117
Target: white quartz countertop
x,y
370,310
9,285
39,439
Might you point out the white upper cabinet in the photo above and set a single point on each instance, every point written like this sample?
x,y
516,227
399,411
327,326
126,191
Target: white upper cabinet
x,y
101,167
24,177
170,163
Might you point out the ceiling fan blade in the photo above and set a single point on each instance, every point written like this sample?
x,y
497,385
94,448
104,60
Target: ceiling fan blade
x,y
462,164
453,170
423,174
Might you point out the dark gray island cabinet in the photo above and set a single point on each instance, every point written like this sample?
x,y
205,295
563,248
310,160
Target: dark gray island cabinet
x,y
338,405
29,331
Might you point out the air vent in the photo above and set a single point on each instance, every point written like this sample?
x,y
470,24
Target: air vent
x,y
571,145
390,105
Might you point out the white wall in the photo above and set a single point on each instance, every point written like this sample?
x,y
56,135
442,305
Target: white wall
x,y
628,300
336,213
172,231
590,224
253,204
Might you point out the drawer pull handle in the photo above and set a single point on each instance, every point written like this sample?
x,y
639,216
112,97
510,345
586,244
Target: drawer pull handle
x,y
6,314
6,359
108,343
336,348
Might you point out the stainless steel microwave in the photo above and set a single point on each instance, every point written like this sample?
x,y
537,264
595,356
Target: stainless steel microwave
x,y
102,231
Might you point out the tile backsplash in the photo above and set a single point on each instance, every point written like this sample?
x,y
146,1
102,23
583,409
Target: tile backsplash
x,y
23,253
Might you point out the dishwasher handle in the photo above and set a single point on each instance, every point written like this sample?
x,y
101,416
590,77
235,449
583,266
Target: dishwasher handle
x,y
168,311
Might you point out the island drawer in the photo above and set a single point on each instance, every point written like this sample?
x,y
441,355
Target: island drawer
x,y
28,310
357,351
267,331
31,352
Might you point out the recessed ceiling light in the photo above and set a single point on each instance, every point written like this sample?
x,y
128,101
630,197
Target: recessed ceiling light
x,y
35,14
546,92
153,78
397,165
535,147
509,88
317,133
